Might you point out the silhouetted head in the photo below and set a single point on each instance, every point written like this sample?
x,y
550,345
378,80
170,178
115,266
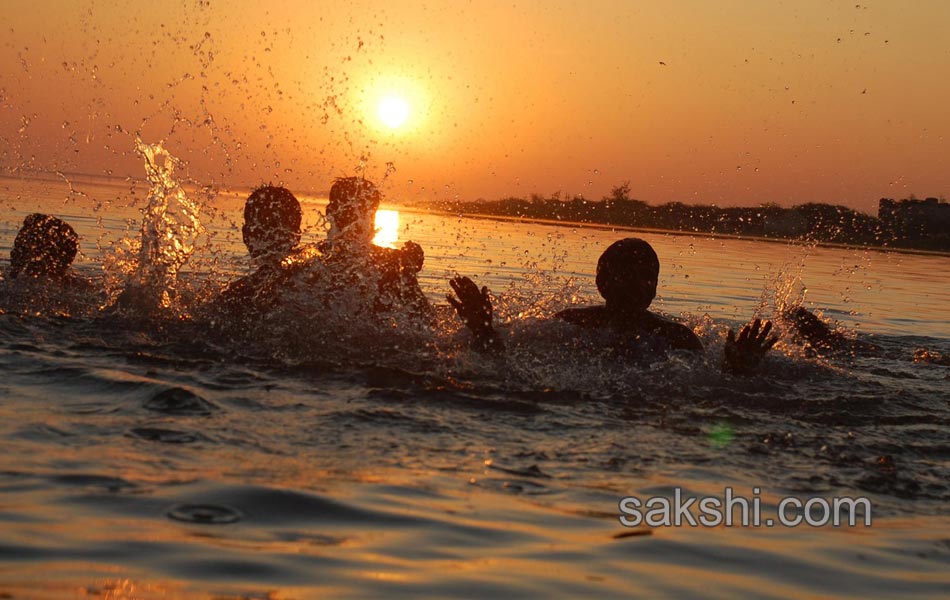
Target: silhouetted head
x,y
352,208
44,246
808,325
271,222
627,273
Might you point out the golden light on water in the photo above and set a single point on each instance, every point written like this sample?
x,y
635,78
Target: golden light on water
x,y
387,228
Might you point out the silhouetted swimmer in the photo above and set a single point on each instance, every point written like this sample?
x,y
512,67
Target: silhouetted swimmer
x,y
272,218
351,214
818,338
271,232
627,276
45,247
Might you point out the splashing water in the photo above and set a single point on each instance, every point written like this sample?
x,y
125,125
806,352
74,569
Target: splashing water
x,y
144,271
102,421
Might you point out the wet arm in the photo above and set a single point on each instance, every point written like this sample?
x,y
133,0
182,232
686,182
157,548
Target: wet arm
x,y
475,308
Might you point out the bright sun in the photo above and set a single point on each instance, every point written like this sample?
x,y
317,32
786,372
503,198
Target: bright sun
x,y
393,111
387,228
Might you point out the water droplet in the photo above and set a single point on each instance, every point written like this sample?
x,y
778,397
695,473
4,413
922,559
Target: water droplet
x,y
205,514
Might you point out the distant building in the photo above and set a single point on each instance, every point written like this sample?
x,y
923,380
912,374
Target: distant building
x,y
915,220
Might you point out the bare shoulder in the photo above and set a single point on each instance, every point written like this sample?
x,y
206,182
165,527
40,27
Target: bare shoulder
x,y
588,316
680,336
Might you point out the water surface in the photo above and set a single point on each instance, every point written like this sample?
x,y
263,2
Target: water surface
x,y
141,460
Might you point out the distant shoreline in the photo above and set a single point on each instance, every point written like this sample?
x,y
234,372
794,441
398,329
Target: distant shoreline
x,y
320,197
676,232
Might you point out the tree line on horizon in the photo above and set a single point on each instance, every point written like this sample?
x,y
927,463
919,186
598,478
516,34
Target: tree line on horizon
x,y
909,223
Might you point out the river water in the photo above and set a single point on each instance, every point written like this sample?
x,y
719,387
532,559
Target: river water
x,y
143,461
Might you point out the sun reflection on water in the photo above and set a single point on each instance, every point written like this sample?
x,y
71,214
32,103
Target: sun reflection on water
x,y
387,228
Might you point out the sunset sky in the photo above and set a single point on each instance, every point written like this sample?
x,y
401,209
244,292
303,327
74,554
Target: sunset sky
x,y
728,102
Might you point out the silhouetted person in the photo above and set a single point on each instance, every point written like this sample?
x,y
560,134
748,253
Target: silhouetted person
x,y
814,334
627,276
45,247
349,247
271,232
41,279
272,219
351,213
817,337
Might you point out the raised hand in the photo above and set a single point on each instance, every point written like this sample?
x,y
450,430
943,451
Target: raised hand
x,y
741,355
474,307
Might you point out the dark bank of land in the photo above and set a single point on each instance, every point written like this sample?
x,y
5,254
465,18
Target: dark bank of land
x,y
909,224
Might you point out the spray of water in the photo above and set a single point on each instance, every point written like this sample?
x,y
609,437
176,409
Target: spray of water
x,y
142,272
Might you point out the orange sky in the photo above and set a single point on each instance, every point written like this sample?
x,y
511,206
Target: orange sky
x,y
728,102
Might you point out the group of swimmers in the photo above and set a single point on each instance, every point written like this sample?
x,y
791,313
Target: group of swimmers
x,y
386,279
272,233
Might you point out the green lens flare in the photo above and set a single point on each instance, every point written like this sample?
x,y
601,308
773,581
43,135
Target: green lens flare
x,y
721,435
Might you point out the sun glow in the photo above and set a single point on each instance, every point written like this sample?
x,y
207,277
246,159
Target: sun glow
x,y
393,111
396,105
387,228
